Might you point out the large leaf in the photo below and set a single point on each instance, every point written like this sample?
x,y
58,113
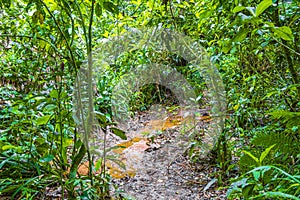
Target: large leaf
x,y
43,120
119,133
102,119
241,35
266,168
283,32
256,175
235,186
262,6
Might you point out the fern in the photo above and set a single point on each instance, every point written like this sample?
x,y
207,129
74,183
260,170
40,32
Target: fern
x,y
290,119
286,144
287,141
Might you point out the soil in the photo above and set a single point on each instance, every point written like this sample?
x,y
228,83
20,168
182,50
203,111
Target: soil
x,y
156,157
159,167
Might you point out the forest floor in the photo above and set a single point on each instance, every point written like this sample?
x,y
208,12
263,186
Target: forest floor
x,y
155,158
157,161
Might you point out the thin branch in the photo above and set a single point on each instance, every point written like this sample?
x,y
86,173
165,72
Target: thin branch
x,y
62,33
297,53
90,86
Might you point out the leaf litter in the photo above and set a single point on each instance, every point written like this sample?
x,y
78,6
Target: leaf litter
x,y
157,161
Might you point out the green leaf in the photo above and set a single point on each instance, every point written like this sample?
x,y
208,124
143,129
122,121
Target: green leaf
x,y
295,185
11,188
54,94
49,107
238,9
5,161
241,35
226,48
98,164
283,32
265,153
262,6
235,186
38,98
268,95
48,158
247,190
98,10
276,195
252,156
6,147
116,160
19,149
101,118
67,142
266,168
43,120
205,14
115,147
119,133
256,175
35,17
109,6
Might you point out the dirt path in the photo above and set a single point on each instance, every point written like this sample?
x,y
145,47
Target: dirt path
x,y
157,164
155,158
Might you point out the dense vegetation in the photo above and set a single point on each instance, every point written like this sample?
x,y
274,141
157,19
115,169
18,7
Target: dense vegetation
x,y
254,44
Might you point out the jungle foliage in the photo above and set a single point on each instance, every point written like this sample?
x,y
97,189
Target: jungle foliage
x,y
254,44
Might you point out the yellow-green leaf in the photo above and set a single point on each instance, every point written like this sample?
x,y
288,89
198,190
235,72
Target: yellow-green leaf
x,y
283,32
67,142
227,47
43,120
241,35
265,153
98,164
54,94
238,9
252,156
262,6
6,147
